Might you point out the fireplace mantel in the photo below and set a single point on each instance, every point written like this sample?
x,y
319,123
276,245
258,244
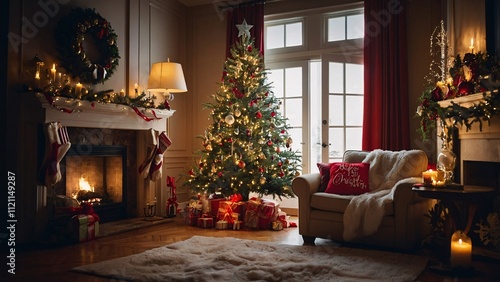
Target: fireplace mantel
x,y
98,115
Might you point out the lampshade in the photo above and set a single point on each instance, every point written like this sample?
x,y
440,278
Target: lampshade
x,y
166,77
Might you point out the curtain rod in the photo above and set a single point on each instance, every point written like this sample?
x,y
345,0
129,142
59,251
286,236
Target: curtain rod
x,y
242,4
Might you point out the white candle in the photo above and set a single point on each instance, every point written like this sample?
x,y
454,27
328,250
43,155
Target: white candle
x,y
78,88
428,176
471,47
122,93
53,72
461,253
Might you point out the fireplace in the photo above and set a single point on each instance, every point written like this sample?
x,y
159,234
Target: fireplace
x,y
97,175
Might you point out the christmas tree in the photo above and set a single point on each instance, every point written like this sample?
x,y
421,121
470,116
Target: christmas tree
x,y
247,148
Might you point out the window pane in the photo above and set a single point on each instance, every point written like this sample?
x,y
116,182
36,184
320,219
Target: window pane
x,y
354,110
355,26
336,110
353,138
336,78
293,82
315,115
296,134
275,37
354,79
276,77
336,29
293,111
336,142
293,34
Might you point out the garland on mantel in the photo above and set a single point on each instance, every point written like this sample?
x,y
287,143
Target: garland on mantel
x,y
142,100
476,73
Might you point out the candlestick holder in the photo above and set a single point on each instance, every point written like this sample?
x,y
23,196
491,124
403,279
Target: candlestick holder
x,y
150,210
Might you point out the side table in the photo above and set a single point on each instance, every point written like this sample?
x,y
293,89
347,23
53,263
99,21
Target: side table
x,y
470,195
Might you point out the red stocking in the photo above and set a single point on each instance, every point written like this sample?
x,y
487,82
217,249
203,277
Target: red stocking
x,y
146,164
163,143
57,146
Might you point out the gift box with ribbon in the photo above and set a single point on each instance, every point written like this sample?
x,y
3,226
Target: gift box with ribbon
x,y
84,227
205,221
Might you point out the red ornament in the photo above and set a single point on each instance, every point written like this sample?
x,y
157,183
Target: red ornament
x,y
241,164
219,174
258,115
237,93
280,164
261,169
283,131
273,114
281,174
269,143
191,172
249,48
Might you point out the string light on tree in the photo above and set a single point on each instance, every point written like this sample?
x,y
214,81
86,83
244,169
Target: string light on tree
x,y
247,147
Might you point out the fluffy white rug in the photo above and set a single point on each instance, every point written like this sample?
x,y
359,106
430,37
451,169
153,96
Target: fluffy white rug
x,y
229,259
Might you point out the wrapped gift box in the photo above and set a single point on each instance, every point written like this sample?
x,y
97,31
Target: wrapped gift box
x,y
205,222
221,224
214,205
84,227
268,211
251,218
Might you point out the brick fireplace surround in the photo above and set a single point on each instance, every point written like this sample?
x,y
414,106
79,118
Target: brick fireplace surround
x,y
110,124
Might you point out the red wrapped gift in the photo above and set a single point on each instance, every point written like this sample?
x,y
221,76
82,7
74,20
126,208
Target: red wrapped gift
x,y
84,227
268,211
214,205
252,213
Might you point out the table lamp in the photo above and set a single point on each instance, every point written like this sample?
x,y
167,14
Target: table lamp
x,y
167,78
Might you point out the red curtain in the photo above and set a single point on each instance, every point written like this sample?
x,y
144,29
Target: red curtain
x,y
254,15
386,113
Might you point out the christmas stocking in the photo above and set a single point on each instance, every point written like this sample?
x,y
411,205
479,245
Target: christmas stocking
x,y
163,143
57,146
144,168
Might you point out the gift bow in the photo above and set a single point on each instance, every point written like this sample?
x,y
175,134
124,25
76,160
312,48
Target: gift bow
x,y
173,193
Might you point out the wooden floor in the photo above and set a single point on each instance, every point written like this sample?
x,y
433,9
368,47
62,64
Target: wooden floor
x,y
53,263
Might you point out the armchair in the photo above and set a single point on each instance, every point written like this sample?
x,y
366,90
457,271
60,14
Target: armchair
x,y
403,225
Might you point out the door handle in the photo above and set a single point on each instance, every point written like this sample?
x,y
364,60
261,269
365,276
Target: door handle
x,y
324,145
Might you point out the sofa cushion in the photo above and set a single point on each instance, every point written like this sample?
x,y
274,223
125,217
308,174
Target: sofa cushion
x,y
349,178
324,172
338,203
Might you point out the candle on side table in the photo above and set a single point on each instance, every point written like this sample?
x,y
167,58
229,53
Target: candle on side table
x,y
428,176
461,250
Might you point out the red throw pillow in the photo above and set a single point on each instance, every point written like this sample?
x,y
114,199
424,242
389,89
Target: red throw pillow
x,y
324,172
349,178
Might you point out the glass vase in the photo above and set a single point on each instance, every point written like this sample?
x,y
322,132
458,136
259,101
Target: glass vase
x,y
446,162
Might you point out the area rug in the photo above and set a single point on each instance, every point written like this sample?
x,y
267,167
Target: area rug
x,y
229,259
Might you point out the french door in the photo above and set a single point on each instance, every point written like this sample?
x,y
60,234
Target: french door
x,y
323,101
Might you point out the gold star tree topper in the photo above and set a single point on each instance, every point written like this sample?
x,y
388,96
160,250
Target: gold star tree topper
x,y
244,28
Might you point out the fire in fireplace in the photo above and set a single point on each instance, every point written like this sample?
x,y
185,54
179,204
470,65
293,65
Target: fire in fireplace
x,y
97,175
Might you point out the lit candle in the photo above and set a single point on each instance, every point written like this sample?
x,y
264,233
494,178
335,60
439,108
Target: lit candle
x,y
78,88
471,47
60,78
461,250
53,72
122,93
428,176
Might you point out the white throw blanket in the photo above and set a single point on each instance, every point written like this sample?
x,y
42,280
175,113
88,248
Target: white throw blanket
x,y
365,212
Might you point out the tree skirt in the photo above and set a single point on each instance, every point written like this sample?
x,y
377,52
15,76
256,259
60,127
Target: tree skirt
x,y
229,259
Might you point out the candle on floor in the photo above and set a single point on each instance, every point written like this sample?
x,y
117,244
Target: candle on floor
x,y
461,250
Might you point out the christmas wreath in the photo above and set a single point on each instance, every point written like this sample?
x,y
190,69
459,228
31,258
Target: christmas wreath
x,y
73,30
